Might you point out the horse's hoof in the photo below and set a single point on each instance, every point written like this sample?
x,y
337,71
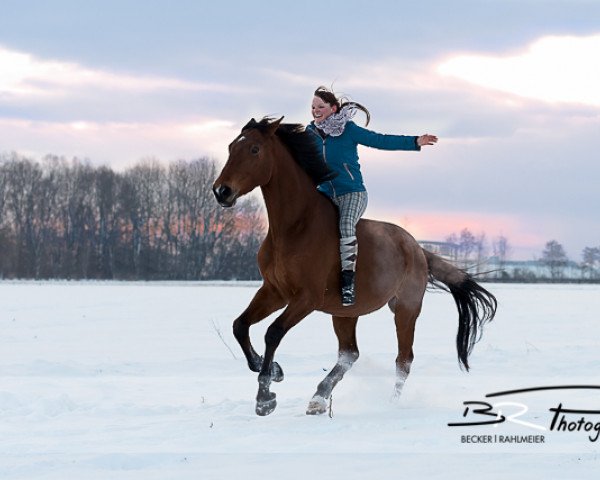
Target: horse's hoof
x,y
398,390
317,406
266,407
276,372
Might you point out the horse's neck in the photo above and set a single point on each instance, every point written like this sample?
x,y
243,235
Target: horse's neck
x,y
292,200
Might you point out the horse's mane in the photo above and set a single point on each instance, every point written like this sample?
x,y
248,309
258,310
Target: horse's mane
x,y
302,146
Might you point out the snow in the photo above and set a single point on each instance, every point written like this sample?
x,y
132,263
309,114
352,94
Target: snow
x,y
109,380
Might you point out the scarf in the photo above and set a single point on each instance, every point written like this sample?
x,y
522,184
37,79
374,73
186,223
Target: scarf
x,y
335,124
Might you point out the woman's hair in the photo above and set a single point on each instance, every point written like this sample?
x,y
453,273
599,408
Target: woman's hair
x,y
329,97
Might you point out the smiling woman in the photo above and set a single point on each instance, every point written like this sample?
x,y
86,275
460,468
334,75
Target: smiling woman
x,y
553,69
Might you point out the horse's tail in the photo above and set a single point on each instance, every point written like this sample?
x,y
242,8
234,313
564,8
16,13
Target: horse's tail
x,y
476,306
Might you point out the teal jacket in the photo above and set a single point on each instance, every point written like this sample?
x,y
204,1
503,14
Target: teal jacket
x,y
341,155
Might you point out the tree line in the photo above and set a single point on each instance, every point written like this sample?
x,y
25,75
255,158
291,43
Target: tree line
x,y
69,219
492,261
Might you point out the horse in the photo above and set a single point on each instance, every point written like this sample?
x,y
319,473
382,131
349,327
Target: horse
x,y
299,262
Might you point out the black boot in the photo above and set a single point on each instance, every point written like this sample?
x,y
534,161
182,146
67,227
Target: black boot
x,y
347,284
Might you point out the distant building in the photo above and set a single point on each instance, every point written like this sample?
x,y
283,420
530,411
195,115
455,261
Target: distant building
x,y
446,250
531,270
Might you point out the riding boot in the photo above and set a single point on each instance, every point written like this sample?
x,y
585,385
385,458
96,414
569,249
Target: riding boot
x,y
347,283
348,255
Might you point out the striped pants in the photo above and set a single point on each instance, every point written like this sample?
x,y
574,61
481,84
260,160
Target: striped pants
x,y
351,207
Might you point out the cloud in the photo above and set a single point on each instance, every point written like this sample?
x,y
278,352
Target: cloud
x,y
501,157
552,69
117,143
24,75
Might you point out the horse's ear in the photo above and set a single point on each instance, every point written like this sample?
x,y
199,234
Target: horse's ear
x,y
251,124
273,126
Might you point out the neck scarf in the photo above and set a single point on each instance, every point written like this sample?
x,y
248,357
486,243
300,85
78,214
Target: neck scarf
x,y
335,124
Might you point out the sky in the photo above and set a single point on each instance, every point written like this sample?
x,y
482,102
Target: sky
x,y
511,88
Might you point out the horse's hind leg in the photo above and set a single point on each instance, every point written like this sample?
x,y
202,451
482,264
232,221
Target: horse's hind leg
x,y
345,330
265,302
405,316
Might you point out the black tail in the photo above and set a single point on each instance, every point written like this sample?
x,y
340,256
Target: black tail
x,y
476,306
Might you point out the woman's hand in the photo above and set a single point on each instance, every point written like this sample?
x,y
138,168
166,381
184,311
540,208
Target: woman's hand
x,y
426,140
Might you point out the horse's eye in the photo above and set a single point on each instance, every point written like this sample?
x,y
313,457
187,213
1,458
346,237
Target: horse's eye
x,y
255,149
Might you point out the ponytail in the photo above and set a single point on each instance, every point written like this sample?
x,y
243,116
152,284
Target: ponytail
x,y
329,97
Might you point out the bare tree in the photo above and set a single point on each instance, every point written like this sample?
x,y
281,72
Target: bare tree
x,y
146,194
555,258
6,242
23,178
3,190
591,262
472,250
467,245
106,188
501,250
481,254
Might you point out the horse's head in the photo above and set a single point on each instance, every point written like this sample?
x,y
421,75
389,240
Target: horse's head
x,y
249,164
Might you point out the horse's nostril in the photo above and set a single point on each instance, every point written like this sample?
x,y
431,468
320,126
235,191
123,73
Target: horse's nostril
x,y
223,194
225,191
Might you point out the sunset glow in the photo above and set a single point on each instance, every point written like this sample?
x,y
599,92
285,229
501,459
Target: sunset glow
x,y
436,226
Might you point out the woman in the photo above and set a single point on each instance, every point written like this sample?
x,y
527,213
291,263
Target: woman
x,y
339,137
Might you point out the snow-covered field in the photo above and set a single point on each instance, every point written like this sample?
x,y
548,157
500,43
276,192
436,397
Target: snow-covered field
x,y
133,381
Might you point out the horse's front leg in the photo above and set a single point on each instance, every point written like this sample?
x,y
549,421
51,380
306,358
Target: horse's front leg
x,y
294,313
265,302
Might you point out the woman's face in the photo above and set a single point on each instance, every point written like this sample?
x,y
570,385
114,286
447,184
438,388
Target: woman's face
x,y
321,110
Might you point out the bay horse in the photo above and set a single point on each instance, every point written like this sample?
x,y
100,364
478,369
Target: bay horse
x,y
300,263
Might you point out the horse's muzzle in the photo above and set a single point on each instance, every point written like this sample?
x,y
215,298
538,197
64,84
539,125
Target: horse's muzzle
x,y
225,195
